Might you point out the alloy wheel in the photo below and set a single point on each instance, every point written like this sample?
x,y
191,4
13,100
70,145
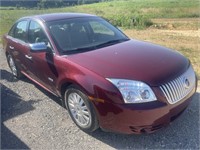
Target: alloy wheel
x,y
79,110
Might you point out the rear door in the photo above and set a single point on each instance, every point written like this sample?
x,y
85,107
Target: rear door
x,y
17,46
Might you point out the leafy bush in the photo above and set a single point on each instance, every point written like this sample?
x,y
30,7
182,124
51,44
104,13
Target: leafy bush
x,y
141,22
128,21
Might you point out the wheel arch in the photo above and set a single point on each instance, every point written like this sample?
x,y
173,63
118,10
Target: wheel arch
x,y
65,84
63,87
7,53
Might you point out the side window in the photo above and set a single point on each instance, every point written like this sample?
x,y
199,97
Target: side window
x,y
11,32
36,34
20,30
100,28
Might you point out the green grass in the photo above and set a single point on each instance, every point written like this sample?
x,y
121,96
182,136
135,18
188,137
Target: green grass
x,y
127,14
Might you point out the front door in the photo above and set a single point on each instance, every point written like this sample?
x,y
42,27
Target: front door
x,y
42,63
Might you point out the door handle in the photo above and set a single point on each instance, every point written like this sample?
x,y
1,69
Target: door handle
x,y
11,47
28,57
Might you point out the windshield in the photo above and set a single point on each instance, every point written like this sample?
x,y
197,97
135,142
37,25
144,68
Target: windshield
x,y
84,34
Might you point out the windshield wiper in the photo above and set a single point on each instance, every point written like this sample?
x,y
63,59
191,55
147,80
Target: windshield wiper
x,y
84,49
111,42
78,50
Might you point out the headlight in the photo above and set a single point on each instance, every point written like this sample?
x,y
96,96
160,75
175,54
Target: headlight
x,y
134,91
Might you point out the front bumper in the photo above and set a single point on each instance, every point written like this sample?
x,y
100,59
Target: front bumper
x,y
139,118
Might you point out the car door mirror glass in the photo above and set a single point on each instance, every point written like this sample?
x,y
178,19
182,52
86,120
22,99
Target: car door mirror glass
x,y
38,47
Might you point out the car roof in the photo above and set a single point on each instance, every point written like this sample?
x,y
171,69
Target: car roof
x,y
58,16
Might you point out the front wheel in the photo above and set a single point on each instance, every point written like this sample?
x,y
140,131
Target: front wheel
x,y
80,109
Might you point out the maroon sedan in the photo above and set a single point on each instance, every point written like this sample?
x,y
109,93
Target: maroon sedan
x,y
104,78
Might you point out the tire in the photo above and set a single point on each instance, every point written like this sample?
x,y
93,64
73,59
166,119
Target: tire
x,y
80,109
13,67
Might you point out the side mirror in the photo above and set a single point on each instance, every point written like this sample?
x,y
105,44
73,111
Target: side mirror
x,y
38,47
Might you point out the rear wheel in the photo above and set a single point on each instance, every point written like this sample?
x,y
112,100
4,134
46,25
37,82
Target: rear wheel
x,y
80,109
13,67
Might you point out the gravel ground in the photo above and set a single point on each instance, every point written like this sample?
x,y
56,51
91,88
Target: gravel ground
x,y
32,118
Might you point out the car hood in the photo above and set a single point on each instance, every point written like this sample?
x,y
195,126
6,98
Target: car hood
x,y
134,60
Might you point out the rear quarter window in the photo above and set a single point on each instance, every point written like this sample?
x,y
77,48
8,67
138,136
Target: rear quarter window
x,y
11,32
19,30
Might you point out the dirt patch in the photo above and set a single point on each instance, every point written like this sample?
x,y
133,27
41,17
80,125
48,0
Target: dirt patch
x,y
176,24
186,33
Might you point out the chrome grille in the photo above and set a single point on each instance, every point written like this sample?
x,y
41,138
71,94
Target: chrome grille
x,y
180,87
